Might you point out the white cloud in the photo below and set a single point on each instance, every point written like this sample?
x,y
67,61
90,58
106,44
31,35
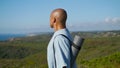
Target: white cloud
x,y
116,19
112,20
107,19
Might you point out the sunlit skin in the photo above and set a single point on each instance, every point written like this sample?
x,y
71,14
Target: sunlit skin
x,y
58,19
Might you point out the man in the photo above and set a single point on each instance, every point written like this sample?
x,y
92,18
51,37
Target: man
x,y
58,51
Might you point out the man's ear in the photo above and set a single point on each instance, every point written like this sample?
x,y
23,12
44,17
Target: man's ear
x,y
54,20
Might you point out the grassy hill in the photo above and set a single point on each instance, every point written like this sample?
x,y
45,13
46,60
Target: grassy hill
x,y
96,48
31,52
111,61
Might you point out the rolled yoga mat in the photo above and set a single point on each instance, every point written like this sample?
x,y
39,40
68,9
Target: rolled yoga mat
x,y
76,46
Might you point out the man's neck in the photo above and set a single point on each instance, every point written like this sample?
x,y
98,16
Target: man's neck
x,y
59,28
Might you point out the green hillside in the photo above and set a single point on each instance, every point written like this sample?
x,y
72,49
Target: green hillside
x,y
111,61
95,50
31,52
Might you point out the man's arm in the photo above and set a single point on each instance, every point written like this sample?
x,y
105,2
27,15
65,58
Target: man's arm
x,y
62,52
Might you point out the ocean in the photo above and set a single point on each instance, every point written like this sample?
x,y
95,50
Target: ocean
x,y
4,37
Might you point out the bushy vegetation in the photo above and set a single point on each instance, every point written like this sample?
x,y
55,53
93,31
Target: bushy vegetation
x,y
16,52
111,61
96,48
31,52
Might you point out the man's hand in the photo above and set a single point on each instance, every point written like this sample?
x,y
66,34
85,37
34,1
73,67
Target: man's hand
x,y
64,66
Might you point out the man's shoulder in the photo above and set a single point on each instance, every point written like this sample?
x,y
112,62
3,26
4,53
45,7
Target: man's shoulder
x,y
59,37
62,38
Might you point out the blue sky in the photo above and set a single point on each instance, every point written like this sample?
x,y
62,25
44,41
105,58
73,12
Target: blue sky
x,y
28,16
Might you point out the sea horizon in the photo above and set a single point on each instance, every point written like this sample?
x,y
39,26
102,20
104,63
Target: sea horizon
x,y
5,37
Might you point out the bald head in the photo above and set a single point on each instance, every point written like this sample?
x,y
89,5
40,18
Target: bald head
x,y
60,16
